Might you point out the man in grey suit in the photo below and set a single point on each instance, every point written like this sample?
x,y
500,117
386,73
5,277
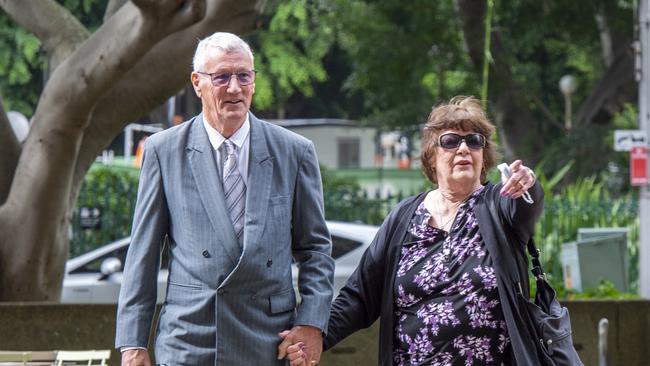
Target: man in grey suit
x,y
236,198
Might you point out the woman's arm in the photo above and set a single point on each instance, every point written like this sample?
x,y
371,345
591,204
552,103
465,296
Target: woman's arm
x,y
358,304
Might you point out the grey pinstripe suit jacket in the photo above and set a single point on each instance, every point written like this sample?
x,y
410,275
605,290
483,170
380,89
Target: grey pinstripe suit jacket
x,y
221,307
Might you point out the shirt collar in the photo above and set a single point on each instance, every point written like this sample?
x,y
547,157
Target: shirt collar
x,y
238,138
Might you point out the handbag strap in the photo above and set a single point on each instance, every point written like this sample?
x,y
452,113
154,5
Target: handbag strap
x,y
534,253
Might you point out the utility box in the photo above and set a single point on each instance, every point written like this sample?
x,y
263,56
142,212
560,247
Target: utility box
x,y
599,253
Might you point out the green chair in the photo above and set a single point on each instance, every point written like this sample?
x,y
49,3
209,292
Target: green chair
x,y
15,357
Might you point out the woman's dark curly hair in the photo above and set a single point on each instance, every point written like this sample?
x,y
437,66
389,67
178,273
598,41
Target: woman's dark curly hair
x,y
464,114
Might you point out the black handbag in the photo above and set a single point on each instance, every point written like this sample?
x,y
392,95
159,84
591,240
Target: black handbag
x,y
549,320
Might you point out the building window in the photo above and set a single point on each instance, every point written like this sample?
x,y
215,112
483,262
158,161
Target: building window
x,y
349,152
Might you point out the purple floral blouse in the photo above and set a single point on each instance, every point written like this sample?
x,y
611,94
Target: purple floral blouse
x,y
447,304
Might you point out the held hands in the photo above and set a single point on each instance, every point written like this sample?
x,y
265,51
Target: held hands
x,y
302,345
135,357
520,180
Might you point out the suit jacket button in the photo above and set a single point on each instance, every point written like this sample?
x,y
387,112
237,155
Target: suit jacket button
x,y
220,291
206,254
269,263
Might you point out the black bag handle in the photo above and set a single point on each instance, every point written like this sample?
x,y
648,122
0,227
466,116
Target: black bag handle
x,y
534,253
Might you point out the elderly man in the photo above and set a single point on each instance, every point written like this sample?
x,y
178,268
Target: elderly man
x,y
236,198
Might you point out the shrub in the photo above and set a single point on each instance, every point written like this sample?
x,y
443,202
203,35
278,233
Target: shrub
x,y
112,190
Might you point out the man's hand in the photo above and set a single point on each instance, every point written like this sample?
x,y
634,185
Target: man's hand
x,y
135,357
310,337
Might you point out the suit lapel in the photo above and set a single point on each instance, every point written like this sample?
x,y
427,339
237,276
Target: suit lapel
x,y
260,172
209,186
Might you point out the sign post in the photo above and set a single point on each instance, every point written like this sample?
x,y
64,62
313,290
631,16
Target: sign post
x,y
643,77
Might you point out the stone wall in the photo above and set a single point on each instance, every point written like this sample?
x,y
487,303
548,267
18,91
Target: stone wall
x,y
50,326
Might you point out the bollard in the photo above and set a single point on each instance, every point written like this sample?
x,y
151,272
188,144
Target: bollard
x,y
603,325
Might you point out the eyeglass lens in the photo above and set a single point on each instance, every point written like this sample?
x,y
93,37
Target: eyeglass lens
x,y
474,141
243,77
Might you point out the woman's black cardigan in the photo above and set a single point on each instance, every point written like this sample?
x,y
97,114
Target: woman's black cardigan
x,y
369,292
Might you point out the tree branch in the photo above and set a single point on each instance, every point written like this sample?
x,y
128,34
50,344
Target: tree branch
x,y
605,36
100,62
59,31
112,8
616,87
547,112
160,74
9,151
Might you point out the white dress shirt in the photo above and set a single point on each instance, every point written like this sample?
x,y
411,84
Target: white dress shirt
x,y
241,138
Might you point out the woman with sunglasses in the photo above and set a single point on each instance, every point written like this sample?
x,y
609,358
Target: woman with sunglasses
x,y
433,274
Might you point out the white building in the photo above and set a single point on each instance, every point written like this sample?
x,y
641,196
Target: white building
x,y
339,143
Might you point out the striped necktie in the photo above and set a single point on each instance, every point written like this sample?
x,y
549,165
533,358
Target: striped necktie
x,y
234,189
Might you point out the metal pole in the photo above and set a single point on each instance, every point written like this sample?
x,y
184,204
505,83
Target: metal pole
x,y
603,326
128,143
644,124
567,111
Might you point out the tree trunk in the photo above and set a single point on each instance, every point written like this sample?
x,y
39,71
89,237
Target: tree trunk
x,y
123,70
9,153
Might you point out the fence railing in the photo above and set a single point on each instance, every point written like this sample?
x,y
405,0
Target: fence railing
x,y
114,195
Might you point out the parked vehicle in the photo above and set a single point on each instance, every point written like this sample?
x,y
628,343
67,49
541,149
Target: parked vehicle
x,y
95,277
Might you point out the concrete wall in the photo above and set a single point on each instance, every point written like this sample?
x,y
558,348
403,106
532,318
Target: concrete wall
x,y
30,326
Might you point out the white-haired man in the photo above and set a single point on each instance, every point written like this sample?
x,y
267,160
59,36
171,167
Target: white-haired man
x,y
237,198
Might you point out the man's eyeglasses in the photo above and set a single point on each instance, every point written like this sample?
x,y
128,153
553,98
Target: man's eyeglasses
x,y
223,79
474,141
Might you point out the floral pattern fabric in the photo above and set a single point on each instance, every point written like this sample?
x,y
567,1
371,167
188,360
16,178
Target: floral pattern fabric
x,y
446,301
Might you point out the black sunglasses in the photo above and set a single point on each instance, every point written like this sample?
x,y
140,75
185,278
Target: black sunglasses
x,y
474,141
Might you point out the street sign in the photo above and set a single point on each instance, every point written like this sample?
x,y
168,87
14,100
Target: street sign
x,y
624,140
639,166
90,218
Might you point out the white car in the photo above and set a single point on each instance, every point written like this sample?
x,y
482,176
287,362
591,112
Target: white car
x,y
95,277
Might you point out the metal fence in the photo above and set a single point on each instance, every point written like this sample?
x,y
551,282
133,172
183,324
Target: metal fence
x,y
105,207
359,205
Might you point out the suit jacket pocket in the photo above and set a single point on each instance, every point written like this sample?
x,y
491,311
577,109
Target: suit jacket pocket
x,y
282,302
185,285
279,205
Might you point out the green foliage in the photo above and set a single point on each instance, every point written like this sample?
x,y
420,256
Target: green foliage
x,y
585,204
333,182
289,53
404,58
23,62
113,190
583,144
604,290
345,200
89,12
20,67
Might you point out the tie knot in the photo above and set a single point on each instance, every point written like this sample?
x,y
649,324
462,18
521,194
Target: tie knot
x,y
229,147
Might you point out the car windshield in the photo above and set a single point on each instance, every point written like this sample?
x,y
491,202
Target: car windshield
x,y
95,265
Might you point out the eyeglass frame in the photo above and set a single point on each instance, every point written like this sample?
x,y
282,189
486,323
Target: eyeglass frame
x,y
462,138
213,76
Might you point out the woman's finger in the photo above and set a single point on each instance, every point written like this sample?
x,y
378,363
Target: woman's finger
x,y
297,359
520,180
